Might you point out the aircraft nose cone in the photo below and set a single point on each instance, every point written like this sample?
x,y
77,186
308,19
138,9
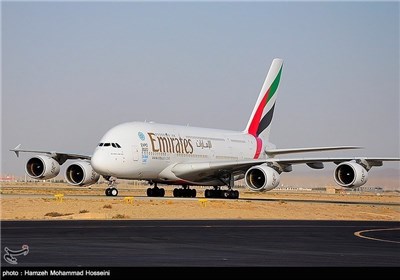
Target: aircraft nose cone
x,y
100,162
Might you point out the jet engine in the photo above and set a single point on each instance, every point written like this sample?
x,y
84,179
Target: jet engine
x,y
42,167
350,175
262,178
81,174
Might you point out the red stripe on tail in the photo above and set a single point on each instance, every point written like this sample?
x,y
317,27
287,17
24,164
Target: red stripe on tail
x,y
258,148
257,116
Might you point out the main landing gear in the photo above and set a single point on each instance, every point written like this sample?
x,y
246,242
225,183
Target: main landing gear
x,y
155,191
218,193
184,192
111,188
229,181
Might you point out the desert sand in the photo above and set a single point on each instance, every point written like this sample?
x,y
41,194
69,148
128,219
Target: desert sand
x,y
42,201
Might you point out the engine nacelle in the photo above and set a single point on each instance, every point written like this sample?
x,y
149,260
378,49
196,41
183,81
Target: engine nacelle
x,y
42,167
350,175
262,178
81,174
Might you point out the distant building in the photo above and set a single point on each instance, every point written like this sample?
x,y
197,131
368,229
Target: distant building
x,y
332,190
368,189
291,188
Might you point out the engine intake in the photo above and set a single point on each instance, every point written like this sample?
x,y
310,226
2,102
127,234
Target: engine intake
x,y
262,178
350,175
81,174
42,167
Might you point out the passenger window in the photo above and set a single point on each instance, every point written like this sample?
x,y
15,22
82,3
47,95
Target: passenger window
x,y
106,144
117,145
101,144
113,144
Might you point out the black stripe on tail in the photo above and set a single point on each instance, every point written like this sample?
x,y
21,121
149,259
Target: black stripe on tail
x,y
265,121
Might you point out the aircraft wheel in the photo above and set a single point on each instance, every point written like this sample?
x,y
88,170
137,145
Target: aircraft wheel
x,y
161,193
175,192
149,192
214,193
108,192
113,192
207,193
193,193
226,194
236,194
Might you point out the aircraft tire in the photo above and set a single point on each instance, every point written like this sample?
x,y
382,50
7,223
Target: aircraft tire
x,y
193,193
161,192
108,192
113,192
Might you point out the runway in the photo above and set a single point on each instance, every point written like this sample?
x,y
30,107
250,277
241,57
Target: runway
x,y
204,243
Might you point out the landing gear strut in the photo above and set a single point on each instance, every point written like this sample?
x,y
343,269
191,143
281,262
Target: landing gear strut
x,y
218,193
111,188
155,191
184,192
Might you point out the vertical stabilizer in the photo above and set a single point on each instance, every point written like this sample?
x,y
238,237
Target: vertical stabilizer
x,y
259,123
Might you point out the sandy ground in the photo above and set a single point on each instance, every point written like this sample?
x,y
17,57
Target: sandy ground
x,y
38,202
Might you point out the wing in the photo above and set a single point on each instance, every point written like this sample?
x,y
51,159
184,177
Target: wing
x,y
274,152
318,163
207,170
60,157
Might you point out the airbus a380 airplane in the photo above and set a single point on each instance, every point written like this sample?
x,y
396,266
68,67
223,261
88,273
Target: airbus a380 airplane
x,y
190,156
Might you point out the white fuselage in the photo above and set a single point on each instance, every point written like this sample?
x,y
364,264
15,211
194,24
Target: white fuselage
x,y
147,150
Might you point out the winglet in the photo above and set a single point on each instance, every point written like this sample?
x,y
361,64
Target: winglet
x,y
16,150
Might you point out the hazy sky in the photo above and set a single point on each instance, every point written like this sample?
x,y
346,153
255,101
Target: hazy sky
x,y
71,71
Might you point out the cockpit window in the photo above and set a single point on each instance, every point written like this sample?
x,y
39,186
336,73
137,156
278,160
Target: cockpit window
x,y
115,145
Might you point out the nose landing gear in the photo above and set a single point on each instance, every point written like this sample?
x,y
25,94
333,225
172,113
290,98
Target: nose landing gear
x,y
111,187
